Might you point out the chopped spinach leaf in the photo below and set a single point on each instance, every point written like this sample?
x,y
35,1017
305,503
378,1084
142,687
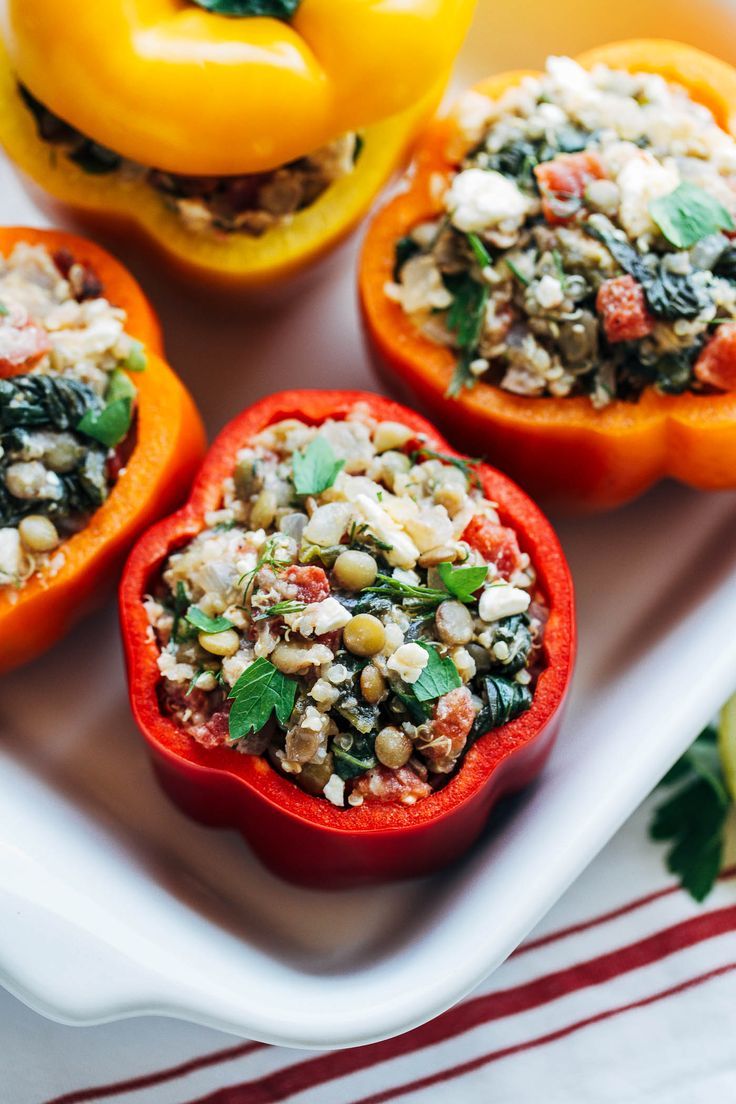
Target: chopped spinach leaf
x,y
260,691
503,701
515,633
179,608
725,266
358,759
669,295
404,250
465,317
674,372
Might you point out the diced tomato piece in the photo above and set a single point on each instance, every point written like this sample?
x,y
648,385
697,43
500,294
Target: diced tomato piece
x,y
563,181
716,364
22,342
453,718
623,309
496,543
311,582
383,786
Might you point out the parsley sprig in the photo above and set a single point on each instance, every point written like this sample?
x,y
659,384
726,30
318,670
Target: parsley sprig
x,y
460,583
466,465
693,819
414,596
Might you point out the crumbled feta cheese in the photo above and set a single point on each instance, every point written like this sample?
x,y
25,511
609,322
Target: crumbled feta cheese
x,y
394,639
408,661
319,618
549,292
641,180
403,551
324,693
502,600
478,199
334,790
313,720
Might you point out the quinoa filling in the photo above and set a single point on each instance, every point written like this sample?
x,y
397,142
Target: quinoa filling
x,y
355,611
585,243
66,405
249,203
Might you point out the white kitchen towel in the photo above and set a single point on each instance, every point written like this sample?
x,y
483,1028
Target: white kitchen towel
x,y
625,994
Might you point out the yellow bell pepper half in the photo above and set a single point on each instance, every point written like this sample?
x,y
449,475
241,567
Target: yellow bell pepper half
x,y
173,86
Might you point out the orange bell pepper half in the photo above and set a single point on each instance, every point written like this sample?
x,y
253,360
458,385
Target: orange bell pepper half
x,y
168,446
562,450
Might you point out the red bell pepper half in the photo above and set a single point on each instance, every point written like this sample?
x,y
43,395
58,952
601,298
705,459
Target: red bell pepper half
x,y
303,838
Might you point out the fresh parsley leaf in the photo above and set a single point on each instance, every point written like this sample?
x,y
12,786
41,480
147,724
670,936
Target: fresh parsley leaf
x,y
277,9
111,425
316,468
481,254
204,623
136,359
693,819
260,691
462,582
688,214
3,310
438,677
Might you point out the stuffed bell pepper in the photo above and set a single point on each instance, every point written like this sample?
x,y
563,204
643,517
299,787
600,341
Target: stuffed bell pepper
x,y
557,285
97,435
350,642
243,137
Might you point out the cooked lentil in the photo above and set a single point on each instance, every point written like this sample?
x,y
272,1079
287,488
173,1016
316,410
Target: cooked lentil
x,y
379,677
